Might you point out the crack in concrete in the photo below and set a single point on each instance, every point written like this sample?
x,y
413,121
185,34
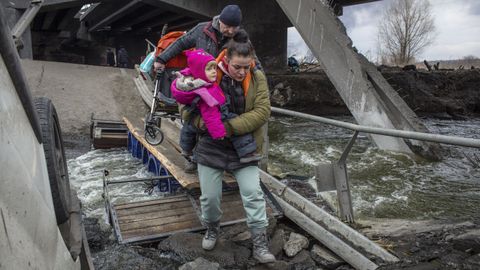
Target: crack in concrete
x,y
5,228
41,76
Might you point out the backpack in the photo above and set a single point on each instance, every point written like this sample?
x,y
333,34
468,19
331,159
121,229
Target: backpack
x,y
179,61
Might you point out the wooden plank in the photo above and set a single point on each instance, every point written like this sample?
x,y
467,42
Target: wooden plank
x,y
153,214
140,217
182,225
123,213
171,225
124,227
168,153
162,229
158,205
151,202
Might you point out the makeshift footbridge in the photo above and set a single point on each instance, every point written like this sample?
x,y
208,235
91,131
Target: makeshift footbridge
x,y
151,220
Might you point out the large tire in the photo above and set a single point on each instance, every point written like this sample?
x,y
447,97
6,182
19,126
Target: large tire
x,y
55,157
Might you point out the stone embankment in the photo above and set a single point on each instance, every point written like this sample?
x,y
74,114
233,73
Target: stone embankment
x,y
443,94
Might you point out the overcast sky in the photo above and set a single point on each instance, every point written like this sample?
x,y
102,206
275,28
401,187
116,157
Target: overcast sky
x,y
457,25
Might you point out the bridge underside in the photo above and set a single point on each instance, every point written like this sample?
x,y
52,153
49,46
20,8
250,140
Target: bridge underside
x,y
61,32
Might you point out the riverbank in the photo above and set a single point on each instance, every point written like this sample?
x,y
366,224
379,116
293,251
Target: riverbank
x,y
441,94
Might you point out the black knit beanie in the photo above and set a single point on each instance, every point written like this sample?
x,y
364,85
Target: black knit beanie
x,y
231,15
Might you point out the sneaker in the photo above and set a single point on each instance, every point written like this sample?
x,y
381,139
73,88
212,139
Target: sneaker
x,y
250,158
211,235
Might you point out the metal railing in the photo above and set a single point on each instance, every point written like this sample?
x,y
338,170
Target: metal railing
x,y
469,142
334,176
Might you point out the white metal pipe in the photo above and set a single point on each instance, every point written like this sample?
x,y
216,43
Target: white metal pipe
x,y
469,142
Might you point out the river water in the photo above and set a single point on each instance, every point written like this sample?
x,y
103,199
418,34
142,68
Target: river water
x,y
383,184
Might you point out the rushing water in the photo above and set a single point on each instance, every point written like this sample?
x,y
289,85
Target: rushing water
x,y
383,184
86,176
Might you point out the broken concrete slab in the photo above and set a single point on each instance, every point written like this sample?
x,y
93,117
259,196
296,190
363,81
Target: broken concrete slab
x,y
200,264
302,261
468,242
325,258
277,242
188,247
296,242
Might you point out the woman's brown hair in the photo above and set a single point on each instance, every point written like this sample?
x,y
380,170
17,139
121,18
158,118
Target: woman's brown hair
x,y
240,45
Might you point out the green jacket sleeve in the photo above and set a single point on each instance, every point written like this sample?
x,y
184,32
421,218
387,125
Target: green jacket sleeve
x,y
256,117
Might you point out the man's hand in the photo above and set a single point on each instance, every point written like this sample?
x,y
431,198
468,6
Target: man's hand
x,y
157,66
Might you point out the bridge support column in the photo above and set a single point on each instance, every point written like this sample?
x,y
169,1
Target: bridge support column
x,y
267,24
369,97
270,41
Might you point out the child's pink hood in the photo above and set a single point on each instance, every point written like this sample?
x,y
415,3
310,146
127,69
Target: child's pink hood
x,y
197,60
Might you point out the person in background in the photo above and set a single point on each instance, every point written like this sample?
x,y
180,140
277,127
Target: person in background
x,y
110,57
122,57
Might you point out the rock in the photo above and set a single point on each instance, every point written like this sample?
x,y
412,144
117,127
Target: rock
x,y
467,242
345,267
200,264
279,86
453,260
96,236
325,258
277,242
123,257
295,244
472,263
302,261
277,265
243,236
188,247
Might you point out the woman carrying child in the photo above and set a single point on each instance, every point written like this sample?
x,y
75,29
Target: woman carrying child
x,y
245,91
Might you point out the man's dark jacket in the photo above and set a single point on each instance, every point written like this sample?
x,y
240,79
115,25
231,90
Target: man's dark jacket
x,y
204,36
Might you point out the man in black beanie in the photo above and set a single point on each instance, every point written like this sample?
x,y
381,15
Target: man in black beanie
x,y
209,36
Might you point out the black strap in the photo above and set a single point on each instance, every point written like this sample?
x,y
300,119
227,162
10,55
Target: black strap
x,y
193,106
271,198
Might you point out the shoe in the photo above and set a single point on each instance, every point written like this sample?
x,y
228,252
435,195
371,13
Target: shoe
x,y
250,158
260,246
211,235
190,166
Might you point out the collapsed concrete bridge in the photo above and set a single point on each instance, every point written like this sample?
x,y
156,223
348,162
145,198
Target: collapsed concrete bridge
x,y
369,97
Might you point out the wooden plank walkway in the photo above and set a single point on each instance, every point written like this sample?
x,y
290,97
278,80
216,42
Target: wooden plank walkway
x,y
151,220
168,152
154,219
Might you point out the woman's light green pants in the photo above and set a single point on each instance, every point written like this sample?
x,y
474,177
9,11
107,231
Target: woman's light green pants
x,y
252,195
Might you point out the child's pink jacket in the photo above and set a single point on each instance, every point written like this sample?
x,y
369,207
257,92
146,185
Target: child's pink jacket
x,y
211,97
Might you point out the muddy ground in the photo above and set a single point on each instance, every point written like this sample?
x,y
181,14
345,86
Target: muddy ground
x,y
443,94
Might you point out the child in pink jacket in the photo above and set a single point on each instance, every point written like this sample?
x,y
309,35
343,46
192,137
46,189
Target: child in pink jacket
x,y
196,86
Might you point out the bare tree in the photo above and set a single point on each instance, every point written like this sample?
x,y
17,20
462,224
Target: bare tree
x,y
406,28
